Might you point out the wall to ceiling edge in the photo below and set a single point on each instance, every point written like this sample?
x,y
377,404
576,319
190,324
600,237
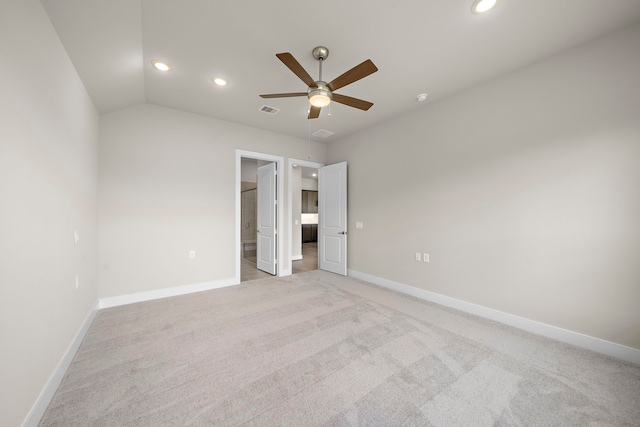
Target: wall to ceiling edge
x,y
523,190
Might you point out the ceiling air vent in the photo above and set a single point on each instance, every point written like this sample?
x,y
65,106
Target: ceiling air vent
x,y
322,133
269,110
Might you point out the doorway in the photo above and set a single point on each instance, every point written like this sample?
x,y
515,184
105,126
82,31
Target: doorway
x,y
303,215
249,221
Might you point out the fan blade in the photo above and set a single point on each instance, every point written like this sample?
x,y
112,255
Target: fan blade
x,y
284,95
314,112
291,63
353,75
352,102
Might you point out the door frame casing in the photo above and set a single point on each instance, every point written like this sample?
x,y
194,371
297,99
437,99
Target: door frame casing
x,y
306,164
279,161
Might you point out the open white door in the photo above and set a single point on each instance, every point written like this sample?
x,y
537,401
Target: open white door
x,y
332,218
266,236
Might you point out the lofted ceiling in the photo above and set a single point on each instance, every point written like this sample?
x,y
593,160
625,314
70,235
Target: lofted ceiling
x,y
419,46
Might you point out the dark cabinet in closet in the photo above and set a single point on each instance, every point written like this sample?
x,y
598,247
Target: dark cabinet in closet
x,y
309,233
309,201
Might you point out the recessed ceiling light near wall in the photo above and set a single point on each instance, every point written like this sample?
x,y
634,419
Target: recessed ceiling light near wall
x,y
219,81
482,6
161,65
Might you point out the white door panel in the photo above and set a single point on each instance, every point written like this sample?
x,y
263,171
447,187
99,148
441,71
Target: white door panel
x,y
332,252
332,224
266,235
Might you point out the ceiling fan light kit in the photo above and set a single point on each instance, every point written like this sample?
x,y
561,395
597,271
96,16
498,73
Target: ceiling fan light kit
x,y
320,93
320,96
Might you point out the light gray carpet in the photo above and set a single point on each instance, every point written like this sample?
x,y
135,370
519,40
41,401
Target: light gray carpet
x,y
320,349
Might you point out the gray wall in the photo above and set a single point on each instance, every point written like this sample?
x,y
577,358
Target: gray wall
x,y
48,174
167,186
309,184
524,191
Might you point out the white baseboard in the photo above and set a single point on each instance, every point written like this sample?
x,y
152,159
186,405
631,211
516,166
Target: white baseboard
x,y
164,293
38,409
574,338
296,257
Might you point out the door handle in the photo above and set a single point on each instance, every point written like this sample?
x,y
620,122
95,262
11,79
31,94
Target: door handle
x,y
342,232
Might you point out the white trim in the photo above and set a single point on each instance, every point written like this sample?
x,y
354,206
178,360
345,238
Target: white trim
x,y
164,293
40,406
281,270
306,164
296,257
570,337
285,273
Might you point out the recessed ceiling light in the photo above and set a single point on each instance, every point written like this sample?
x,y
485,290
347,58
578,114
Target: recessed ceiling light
x,y
422,97
219,81
314,174
161,65
482,6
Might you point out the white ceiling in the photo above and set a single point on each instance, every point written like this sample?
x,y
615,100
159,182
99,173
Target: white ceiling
x,y
433,46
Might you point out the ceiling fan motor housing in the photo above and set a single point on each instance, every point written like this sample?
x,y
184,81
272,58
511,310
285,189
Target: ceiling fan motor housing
x,y
320,96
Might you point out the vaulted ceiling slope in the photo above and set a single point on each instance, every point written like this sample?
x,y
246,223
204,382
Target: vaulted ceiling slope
x,y
420,46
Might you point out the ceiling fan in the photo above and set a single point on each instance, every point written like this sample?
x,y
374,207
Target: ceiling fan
x,y
320,93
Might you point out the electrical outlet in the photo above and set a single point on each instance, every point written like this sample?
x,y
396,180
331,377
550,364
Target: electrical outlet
x,y
77,282
359,224
192,254
417,256
76,237
425,257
